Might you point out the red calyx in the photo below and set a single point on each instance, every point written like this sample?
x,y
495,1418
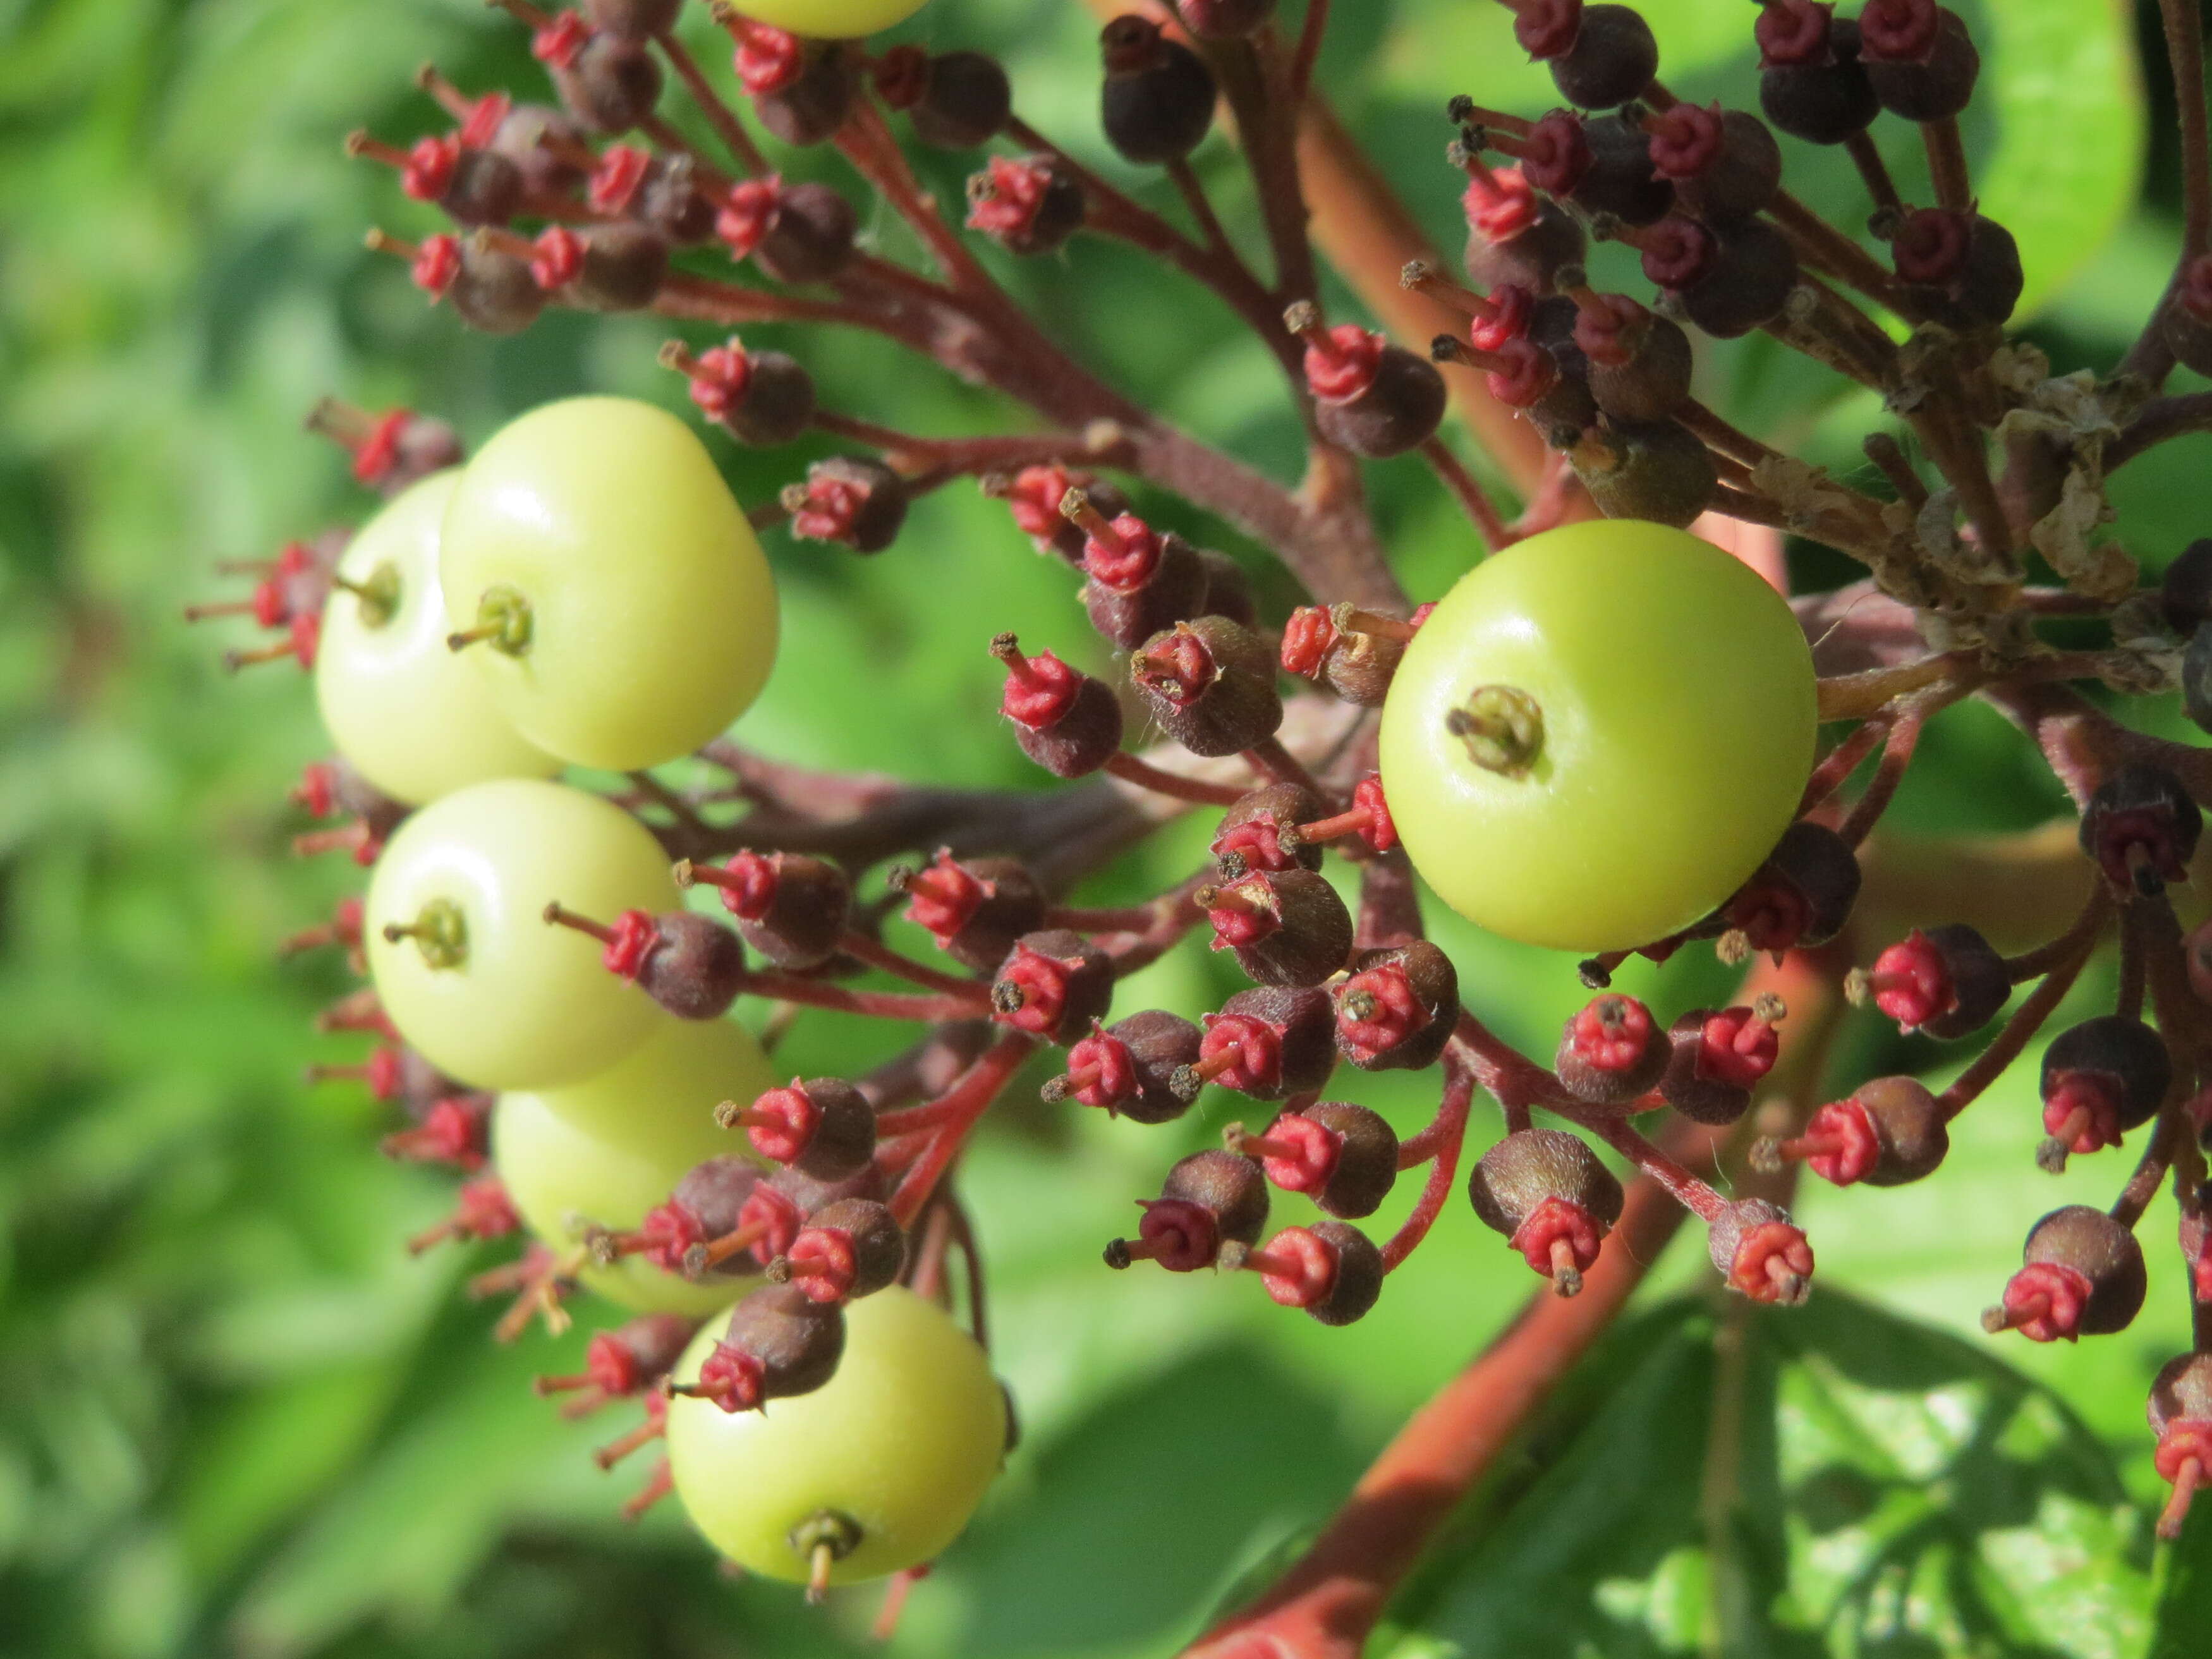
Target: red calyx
x,y
1510,307
749,891
944,896
902,76
555,257
485,117
1499,202
1039,689
1899,31
382,1073
2127,835
484,1209
794,1118
1377,1010
2185,1442
1527,373
778,1217
611,1364
732,1378
667,1232
1685,140
316,793
767,59
1127,562
1612,1033
1241,913
1042,983
1792,32
633,937
559,41
1015,189
1911,983
437,261
1256,843
1381,830
1182,1237
2082,1111
615,180
1847,1148
1932,247
452,1132
1547,28
1107,1067
1607,327
1341,362
718,378
1307,637
832,505
1248,1053
1179,667
747,213
1737,1046
823,1263
1033,499
1678,252
378,452
1773,1262
1556,153
1558,1238
1298,1154
1298,1267
2044,1300
429,169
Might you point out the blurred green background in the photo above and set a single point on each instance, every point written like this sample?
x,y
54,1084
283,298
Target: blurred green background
x,y
236,1418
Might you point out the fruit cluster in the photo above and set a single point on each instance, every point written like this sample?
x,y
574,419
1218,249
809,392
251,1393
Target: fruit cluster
x,y
1605,738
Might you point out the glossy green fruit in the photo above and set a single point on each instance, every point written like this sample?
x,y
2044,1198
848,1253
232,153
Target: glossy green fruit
x,y
1598,734
899,1445
626,612
611,1147
832,20
415,719
476,979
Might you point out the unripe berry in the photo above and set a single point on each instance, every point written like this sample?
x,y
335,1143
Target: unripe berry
x,y
1607,57
780,1343
1919,57
790,907
1209,1199
956,100
491,290
810,106
689,964
1760,1254
713,1199
1963,267
612,84
1141,581
2142,827
1948,982
1803,892
628,1359
1612,1051
1128,1067
1716,1057
1811,82
1547,1192
1343,1156
977,908
1750,276
852,499
1354,653
1260,832
1267,1043
1369,397
849,1249
1054,984
1157,98
1514,236
1725,164
611,267
1888,1132
1639,363
1028,203
1068,722
762,399
1621,180
1286,927
1210,683
1397,1008
2082,1276
1036,497
1332,1271
795,232
823,1127
1659,471
2101,1078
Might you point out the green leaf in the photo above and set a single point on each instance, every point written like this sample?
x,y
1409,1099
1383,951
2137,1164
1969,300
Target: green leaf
x,y
1830,1480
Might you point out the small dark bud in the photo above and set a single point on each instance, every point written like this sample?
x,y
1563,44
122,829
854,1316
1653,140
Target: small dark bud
x,y
1612,1051
1658,471
1286,927
810,106
1267,1043
1128,1067
849,1249
780,1343
1209,1199
1055,984
1211,684
977,908
850,499
1621,178
2142,827
1343,1156
1331,1270
2101,1078
1760,1253
2081,1275
1802,895
1396,1010
1156,102
1717,1058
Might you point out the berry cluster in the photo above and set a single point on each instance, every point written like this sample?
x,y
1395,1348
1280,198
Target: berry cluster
x,y
583,592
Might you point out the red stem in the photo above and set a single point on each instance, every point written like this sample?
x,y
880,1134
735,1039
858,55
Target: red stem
x,y
1446,1136
973,1002
963,1103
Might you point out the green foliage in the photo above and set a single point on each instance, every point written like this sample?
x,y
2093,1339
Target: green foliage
x,y
234,1419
